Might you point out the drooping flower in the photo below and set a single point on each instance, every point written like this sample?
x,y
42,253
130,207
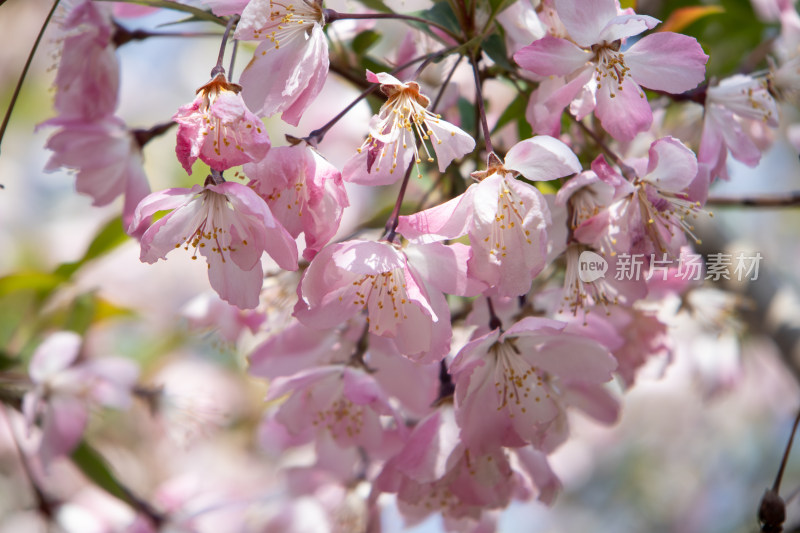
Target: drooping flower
x,y
106,158
511,385
402,302
403,121
612,76
505,218
218,128
304,192
87,80
228,224
63,389
729,107
291,63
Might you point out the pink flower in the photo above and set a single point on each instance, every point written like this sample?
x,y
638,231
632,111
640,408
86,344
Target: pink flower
x,y
304,192
87,80
106,157
290,65
401,303
506,218
730,106
344,401
663,61
63,388
511,385
394,132
229,225
219,129
656,213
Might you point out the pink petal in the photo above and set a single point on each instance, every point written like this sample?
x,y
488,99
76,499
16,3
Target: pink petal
x,y
56,353
542,158
552,56
627,113
667,61
672,166
585,19
449,220
623,26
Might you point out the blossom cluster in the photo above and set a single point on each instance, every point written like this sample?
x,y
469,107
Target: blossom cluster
x,y
438,358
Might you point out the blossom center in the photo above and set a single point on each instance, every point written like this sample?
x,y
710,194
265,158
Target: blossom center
x,y
508,222
384,296
288,21
515,379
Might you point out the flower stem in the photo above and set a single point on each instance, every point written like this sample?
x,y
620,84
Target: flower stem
x,y
627,171
218,68
316,136
479,102
494,320
791,199
332,16
18,88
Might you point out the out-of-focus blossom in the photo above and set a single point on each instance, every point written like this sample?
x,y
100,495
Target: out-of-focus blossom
x,y
730,106
403,121
228,224
522,25
290,65
208,311
106,158
612,77
505,218
304,192
64,388
87,80
218,128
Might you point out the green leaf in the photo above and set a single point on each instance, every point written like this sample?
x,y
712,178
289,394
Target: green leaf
x,y
514,110
442,14
365,40
29,281
495,48
466,111
377,5
498,5
95,468
109,237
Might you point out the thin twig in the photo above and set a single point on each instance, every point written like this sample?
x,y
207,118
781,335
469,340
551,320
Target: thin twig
x,y
333,16
18,88
791,199
479,101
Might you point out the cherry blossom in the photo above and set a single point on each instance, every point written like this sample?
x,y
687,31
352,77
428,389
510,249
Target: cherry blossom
x,y
87,80
506,218
403,121
228,224
290,65
304,192
219,129
106,158
511,384
612,76
343,279
730,106
64,387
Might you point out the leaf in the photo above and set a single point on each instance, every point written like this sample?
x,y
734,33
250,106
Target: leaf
x,y
466,111
365,40
29,281
377,5
514,110
442,14
95,468
684,16
108,238
625,4
495,48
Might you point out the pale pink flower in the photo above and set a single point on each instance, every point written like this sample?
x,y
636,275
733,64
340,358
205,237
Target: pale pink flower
x,y
87,80
505,218
614,76
655,211
106,158
510,385
437,472
219,129
290,65
304,192
403,121
228,224
730,106
403,299
344,401
64,389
